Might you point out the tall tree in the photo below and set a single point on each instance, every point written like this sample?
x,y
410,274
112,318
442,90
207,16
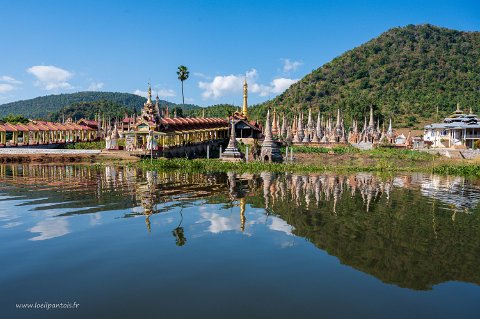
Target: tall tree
x,y
182,76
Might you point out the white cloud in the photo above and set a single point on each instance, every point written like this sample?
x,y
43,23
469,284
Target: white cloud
x,y
161,93
281,84
226,84
290,66
95,86
51,77
277,86
201,75
9,79
4,88
166,93
141,93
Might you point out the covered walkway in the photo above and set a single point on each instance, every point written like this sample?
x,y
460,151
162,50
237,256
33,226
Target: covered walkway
x,y
44,133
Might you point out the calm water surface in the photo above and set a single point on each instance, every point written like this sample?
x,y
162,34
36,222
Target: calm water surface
x,y
125,243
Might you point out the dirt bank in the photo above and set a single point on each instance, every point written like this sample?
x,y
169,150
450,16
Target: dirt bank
x,y
104,156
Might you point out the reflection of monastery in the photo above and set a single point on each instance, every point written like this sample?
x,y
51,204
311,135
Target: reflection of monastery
x,y
359,218
156,192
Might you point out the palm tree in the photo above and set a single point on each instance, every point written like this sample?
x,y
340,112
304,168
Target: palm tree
x,y
182,76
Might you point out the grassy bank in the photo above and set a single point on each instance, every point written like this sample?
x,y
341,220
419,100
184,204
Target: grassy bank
x,y
215,165
309,161
100,145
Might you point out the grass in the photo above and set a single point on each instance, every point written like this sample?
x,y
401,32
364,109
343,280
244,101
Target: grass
x,y
87,145
323,150
378,160
216,165
463,170
396,153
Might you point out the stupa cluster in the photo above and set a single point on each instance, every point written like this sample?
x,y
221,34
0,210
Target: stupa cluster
x,y
329,131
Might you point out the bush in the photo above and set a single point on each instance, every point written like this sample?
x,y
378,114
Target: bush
x,y
87,145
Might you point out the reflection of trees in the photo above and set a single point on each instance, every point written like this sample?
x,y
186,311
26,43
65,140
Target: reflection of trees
x,y
178,232
385,231
399,229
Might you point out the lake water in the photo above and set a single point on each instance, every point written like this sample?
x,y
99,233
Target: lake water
x,y
125,243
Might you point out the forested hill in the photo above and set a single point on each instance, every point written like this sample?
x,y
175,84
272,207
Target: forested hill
x,y
405,73
46,106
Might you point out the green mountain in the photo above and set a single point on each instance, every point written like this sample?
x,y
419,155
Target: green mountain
x,y
218,110
405,73
51,106
88,110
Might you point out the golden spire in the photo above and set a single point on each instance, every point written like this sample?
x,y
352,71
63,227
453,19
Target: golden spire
x,y
149,96
242,214
245,97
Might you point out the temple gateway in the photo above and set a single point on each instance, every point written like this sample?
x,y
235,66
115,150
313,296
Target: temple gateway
x,y
154,129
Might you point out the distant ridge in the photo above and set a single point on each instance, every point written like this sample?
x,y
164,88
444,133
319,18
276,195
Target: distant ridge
x,y
43,106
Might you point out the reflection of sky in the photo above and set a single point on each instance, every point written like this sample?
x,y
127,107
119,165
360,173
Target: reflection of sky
x,y
280,225
50,228
46,215
221,221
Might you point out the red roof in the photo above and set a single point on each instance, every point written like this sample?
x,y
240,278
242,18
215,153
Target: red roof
x,y
180,124
60,126
32,127
10,127
88,122
21,127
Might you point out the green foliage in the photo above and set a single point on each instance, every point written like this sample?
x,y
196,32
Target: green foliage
x,y
88,110
183,74
399,153
218,110
465,170
324,150
15,119
405,73
45,106
384,163
100,145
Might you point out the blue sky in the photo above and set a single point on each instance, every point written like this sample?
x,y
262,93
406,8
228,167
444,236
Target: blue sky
x,y
50,47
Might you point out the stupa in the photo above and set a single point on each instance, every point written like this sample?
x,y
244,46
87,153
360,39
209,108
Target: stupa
x,y
270,151
232,153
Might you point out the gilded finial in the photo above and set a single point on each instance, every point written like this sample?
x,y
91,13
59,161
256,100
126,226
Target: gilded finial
x,y
149,95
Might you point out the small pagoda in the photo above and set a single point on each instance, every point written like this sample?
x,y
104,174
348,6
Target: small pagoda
x,y
232,153
270,151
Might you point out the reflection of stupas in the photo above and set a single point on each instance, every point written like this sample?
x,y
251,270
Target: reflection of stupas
x,y
311,190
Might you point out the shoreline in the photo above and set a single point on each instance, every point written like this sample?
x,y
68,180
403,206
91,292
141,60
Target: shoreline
x,y
382,161
39,156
